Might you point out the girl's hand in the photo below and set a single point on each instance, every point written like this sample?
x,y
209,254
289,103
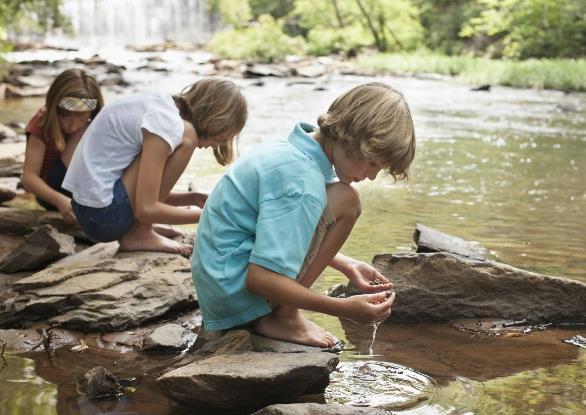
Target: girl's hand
x,y
199,199
64,206
366,278
368,308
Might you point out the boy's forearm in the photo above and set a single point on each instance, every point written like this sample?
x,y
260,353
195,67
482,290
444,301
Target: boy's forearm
x,y
280,289
341,262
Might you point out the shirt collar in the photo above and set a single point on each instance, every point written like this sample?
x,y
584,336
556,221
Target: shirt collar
x,y
301,139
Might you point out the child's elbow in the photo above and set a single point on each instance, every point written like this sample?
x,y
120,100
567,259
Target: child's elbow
x,y
27,181
251,283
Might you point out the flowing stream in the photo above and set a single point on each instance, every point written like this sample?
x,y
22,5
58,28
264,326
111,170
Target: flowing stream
x,y
504,168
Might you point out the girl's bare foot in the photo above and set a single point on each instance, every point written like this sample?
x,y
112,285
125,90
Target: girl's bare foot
x,y
144,238
288,324
168,232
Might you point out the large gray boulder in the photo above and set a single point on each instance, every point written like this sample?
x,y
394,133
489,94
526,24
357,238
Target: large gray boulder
x,y
42,247
241,383
102,295
442,286
318,409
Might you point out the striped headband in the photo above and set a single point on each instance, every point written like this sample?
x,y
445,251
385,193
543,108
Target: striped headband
x,y
78,104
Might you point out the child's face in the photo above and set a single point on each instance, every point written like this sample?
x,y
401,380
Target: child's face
x,y
350,169
72,121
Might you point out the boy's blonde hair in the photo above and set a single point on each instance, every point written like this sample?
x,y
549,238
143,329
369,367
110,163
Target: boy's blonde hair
x,y
218,110
69,83
372,122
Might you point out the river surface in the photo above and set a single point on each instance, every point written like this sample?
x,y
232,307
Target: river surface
x,y
505,168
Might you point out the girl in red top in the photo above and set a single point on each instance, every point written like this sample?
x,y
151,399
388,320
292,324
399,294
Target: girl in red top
x,y
73,100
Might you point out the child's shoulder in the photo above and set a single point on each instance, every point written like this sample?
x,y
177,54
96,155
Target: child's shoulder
x,y
34,126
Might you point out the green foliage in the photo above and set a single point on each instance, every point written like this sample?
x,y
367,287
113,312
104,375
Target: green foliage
x,y
444,20
235,13
276,8
562,74
34,14
530,28
387,24
263,41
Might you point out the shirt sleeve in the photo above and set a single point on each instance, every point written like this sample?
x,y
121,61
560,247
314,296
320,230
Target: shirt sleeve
x,y
34,126
284,230
165,124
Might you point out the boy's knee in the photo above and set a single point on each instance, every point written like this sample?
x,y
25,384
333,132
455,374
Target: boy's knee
x,y
344,200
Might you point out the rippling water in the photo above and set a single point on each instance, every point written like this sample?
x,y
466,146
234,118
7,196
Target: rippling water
x,y
505,169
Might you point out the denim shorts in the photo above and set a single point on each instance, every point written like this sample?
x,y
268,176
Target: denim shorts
x,y
109,223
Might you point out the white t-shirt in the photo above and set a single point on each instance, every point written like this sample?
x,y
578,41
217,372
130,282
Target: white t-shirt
x,y
114,139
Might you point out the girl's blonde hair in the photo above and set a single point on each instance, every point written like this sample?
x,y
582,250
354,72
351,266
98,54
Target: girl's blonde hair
x,y
373,122
69,83
218,110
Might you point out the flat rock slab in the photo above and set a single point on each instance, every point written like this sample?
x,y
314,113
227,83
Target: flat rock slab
x,y
22,221
102,295
23,341
240,383
443,287
431,240
42,247
318,409
99,251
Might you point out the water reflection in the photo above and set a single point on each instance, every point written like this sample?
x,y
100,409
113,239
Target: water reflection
x,y
380,385
445,353
23,391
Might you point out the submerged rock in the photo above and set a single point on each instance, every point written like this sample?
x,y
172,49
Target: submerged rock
x,y
99,383
444,287
102,295
318,409
43,246
248,381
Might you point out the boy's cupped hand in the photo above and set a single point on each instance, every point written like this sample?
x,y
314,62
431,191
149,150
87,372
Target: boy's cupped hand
x,y
366,278
369,308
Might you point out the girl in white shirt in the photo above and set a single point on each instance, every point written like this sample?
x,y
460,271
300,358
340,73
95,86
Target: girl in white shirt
x,y
133,153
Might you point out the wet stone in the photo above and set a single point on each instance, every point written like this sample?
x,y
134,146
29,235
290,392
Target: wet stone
x,y
248,381
168,337
99,383
42,247
446,287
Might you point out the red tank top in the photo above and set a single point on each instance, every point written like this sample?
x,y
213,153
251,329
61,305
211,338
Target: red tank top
x,y
51,153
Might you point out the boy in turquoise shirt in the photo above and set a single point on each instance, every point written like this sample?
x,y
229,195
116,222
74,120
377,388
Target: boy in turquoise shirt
x,y
279,216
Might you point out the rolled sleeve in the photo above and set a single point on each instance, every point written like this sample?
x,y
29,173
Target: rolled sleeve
x,y
284,230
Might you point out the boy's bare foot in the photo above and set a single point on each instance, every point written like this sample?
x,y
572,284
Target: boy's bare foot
x,y
141,238
168,232
288,324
